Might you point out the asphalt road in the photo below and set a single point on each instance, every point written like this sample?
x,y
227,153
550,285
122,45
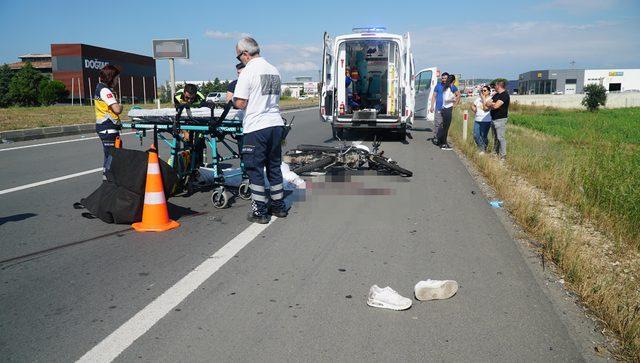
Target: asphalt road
x,y
295,292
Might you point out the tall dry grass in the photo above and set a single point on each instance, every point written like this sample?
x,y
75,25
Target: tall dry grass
x,y
579,197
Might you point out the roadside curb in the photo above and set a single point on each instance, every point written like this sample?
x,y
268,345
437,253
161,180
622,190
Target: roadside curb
x,y
45,132
65,130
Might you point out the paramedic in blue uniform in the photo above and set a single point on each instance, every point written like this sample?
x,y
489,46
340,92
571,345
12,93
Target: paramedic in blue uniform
x,y
108,112
258,94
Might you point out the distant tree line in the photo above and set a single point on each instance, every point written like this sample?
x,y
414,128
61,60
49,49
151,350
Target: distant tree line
x,y
28,87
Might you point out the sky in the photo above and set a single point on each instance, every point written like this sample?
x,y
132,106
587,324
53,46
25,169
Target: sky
x,y
471,38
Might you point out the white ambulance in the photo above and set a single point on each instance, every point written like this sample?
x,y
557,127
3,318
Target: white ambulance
x,y
367,81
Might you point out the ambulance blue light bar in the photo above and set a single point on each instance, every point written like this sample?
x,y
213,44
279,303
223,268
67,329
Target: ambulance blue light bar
x,y
370,29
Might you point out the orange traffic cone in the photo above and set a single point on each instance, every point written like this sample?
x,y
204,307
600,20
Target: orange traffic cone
x,y
155,216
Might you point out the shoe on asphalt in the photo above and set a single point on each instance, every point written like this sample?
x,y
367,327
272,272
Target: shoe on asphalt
x,y
435,289
387,298
256,218
280,213
446,147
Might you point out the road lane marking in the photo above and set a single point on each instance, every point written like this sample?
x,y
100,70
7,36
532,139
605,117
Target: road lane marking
x,y
114,344
58,142
48,181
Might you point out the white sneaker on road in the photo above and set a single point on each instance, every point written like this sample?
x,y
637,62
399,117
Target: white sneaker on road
x,y
387,298
435,289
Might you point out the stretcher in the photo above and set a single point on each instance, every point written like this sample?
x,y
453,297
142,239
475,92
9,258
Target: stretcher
x,y
188,131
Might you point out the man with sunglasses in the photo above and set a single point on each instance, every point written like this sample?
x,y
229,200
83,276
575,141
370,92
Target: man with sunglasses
x,y
258,94
189,95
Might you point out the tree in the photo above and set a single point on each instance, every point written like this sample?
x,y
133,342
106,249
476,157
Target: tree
x,y
164,92
596,96
207,88
24,86
286,93
52,92
5,78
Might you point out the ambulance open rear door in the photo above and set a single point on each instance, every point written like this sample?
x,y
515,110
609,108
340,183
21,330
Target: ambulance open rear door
x,y
425,82
327,95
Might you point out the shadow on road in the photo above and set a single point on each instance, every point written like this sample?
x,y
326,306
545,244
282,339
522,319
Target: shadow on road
x,y
16,218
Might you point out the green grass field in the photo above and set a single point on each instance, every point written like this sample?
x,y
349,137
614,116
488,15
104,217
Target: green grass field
x,y
596,157
590,163
15,118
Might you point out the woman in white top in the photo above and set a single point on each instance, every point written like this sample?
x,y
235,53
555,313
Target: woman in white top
x,y
450,96
482,122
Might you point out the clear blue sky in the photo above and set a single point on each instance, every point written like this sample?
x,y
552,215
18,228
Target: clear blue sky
x,y
473,38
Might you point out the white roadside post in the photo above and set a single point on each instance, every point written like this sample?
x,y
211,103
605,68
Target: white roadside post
x,y
72,90
465,122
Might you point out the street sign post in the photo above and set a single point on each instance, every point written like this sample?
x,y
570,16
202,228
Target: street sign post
x,y
171,49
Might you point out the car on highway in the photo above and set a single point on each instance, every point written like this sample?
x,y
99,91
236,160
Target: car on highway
x,y
367,81
216,97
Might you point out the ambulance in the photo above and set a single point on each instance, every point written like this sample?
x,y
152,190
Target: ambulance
x,y
367,81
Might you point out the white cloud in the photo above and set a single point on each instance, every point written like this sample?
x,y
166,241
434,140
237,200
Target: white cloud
x,y
292,50
186,62
522,46
298,67
577,6
217,34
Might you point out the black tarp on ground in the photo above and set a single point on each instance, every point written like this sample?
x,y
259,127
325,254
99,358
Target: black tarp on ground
x,y
120,198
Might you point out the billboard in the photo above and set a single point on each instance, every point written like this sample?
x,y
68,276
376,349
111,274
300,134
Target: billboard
x,y
171,48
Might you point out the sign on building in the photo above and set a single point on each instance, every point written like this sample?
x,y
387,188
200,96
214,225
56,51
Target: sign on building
x,y
171,48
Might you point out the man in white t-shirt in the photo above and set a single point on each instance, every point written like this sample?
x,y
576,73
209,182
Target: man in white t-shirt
x,y
258,94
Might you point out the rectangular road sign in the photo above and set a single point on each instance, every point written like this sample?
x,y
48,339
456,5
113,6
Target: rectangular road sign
x,y
171,48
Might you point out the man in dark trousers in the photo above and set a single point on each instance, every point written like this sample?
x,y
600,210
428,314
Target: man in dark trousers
x,y
499,106
258,94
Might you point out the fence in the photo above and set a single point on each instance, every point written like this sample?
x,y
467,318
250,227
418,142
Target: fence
x,y
135,90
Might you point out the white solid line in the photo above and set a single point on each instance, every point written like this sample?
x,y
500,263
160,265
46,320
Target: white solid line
x,y
58,142
37,184
113,345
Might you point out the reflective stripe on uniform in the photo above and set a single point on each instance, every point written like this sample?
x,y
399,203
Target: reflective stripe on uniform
x,y
108,131
154,198
275,188
277,196
257,188
258,198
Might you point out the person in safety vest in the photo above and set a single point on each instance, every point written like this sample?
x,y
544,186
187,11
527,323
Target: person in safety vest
x,y
108,112
189,95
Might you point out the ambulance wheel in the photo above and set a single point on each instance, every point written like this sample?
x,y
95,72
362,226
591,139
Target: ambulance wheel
x,y
244,191
220,199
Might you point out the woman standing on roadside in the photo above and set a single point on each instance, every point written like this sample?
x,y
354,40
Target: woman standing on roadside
x,y
482,122
450,97
108,112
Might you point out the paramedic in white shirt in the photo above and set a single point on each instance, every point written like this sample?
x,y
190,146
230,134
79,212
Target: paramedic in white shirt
x,y
482,122
258,94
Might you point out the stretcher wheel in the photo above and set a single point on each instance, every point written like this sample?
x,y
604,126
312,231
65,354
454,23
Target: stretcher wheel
x,y
220,199
244,191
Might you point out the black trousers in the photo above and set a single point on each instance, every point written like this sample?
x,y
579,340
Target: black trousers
x,y
443,131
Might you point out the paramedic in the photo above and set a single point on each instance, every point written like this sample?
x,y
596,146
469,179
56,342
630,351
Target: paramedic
x,y
108,112
189,95
258,94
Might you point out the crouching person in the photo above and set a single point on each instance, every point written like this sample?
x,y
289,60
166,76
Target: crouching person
x,y
258,94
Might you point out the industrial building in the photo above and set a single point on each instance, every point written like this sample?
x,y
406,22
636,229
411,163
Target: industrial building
x,y
572,81
41,62
78,67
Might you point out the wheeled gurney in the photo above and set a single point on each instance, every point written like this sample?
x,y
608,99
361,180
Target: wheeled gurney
x,y
187,131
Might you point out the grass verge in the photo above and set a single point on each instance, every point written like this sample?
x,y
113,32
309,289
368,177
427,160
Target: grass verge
x,y
577,192
16,118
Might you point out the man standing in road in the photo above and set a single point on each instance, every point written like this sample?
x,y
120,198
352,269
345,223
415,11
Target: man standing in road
x,y
437,103
499,106
258,94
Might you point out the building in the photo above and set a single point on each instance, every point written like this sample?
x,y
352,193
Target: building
x,y
78,67
41,62
614,80
541,82
571,81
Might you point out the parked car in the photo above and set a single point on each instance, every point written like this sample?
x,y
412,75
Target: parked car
x,y
216,97
558,93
